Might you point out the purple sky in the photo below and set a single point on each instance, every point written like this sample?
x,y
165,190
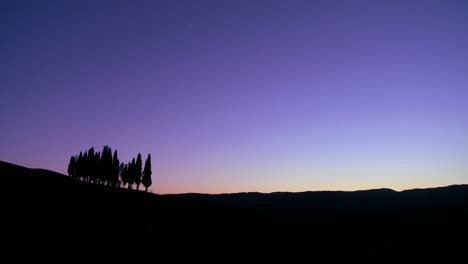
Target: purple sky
x,y
232,96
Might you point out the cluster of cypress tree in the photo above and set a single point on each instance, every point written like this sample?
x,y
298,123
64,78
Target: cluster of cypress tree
x,y
105,168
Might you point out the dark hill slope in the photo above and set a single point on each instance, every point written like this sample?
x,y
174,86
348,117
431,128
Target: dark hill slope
x,y
45,212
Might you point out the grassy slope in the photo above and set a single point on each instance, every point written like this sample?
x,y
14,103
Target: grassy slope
x,y
47,212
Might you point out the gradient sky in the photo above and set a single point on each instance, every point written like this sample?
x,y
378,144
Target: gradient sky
x,y
234,96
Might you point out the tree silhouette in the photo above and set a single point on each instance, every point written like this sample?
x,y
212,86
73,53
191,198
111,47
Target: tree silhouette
x,y
79,166
106,165
91,165
71,167
123,180
85,166
131,173
146,179
97,168
115,169
138,168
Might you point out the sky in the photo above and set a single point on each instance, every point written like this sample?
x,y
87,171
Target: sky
x,y
241,96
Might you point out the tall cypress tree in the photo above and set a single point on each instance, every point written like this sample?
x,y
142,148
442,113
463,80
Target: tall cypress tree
x,y
115,169
71,167
138,168
79,166
146,179
123,180
106,165
91,165
130,173
98,171
85,166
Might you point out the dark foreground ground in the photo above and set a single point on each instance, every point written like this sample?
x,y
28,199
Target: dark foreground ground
x,y
46,215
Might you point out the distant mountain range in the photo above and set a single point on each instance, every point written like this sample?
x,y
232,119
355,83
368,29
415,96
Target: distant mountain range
x,y
455,196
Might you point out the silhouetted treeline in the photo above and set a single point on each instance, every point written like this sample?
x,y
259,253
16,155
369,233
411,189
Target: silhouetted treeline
x,y
105,168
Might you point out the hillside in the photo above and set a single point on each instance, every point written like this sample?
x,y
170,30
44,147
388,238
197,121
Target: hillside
x,y
47,212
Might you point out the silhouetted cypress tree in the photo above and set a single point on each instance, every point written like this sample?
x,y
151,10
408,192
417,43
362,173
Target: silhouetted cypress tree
x,y
85,166
146,179
121,173
115,169
97,164
91,164
126,175
131,173
79,166
71,167
102,162
94,167
106,165
76,167
138,168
